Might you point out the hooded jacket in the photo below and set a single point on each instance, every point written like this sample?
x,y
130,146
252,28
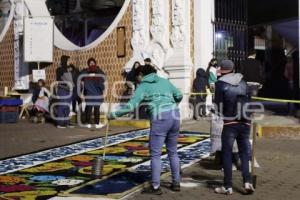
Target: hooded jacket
x,y
159,94
228,90
200,82
93,85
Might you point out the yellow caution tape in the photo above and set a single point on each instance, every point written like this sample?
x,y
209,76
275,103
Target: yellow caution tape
x,y
254,98
276,100
199,93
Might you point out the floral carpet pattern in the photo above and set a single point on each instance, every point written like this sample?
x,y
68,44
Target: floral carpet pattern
x,y
67,170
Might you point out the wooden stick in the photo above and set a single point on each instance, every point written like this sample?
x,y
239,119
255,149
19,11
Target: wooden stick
x,y
106,132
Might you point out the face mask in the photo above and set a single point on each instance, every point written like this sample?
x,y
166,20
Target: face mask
x,y
93,68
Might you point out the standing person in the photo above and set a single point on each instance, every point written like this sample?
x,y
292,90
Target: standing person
x,y
231,94
212,73
163,98
131,81
252,69
93,89
199,86
64,93
160,71
75,95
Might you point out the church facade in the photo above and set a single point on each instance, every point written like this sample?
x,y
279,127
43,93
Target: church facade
x,y
177,35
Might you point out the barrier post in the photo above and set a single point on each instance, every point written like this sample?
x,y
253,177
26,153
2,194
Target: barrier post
x,y
254,132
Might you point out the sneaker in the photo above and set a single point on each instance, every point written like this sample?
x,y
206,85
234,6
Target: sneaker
x,y
59,126
99,125
152,190
249,189
72,114
175,187
234,167
88,126
223,190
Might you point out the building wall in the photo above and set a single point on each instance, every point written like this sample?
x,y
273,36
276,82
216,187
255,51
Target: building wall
x,y
105,54
192,46
7,60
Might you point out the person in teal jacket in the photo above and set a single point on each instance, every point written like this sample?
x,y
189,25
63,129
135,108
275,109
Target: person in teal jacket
x,y
212,73
162,98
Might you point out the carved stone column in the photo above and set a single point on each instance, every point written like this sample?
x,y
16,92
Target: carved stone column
x,y
140,30
159,29
204,32
179,63
21,69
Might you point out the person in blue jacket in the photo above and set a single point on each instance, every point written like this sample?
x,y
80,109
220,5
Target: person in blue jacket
x,y
93,88
162,98
64,93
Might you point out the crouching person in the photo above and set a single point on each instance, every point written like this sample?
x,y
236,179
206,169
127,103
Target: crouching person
x,y
162,98
231,96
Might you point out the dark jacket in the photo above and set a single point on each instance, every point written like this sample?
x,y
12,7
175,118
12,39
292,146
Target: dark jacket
x,y
229,89
36,93
94,85
63,68
200,82
252,70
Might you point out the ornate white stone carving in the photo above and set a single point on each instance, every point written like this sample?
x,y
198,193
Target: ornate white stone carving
x,y
178,28
140,31
138,27
158,28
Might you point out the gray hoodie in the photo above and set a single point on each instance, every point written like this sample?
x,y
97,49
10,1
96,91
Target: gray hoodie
x,y
232,78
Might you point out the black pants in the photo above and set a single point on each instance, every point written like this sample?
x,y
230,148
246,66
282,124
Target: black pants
x,y
75,99
88,114
240,133
74,102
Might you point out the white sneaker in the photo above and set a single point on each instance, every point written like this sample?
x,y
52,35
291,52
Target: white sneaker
x,y
72,114
99,125
223,190
234,168
88,126
249,189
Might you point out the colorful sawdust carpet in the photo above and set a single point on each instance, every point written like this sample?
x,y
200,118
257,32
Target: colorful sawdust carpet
x,y
66,171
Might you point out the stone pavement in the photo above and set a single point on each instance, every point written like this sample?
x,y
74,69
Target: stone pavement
x,y
278,177
26,137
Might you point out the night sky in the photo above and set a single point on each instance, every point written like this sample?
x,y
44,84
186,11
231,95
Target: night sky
x,y
266,11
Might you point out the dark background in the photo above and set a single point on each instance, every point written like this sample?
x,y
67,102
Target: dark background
x,y
266,11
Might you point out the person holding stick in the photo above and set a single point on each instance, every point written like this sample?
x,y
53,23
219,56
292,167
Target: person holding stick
x,y
162,98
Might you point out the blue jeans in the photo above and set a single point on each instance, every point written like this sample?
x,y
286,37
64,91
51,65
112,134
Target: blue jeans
x,y
63,110
239,132
165,130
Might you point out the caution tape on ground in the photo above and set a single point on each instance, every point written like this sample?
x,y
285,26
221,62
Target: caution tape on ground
x,y
276,100
254,98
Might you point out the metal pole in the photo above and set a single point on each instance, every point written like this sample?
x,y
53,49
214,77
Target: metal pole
x,y
254,132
